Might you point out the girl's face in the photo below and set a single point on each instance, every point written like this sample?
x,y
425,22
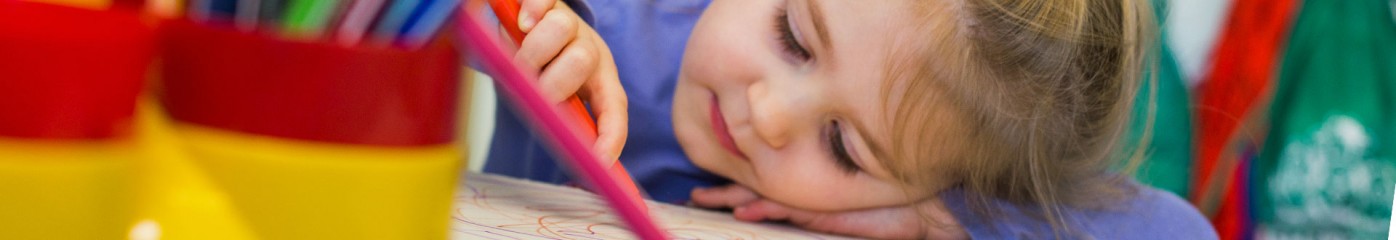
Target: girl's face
x,y
786,97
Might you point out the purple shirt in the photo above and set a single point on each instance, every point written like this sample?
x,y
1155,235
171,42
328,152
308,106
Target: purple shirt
x,y
1149,214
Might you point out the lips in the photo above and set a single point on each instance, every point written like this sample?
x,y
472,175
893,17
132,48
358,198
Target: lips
x,y
724,137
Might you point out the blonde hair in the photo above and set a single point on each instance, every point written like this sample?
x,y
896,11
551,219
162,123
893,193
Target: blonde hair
x,y
1043,89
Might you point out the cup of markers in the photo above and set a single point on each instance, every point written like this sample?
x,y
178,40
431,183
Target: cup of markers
x,y
320,119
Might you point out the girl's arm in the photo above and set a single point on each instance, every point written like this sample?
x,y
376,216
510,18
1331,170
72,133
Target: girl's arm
x,y
928,219
571,58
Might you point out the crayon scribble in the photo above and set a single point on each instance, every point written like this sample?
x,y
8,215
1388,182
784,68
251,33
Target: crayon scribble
x,y
495,207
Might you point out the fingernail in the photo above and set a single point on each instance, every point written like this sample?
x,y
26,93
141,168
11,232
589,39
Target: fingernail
x,y
525,22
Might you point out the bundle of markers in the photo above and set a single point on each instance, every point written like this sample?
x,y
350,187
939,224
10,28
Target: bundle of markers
x,y
402,23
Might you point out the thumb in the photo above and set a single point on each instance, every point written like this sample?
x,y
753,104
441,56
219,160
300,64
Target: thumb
x,y
531,11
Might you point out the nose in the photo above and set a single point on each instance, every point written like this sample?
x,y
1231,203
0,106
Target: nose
x,y
782,110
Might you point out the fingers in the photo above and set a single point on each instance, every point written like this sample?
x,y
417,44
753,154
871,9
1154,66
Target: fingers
x,y
573,60
529,10
761,210
570,59
555,31
886,223
925,219
565,74
554,45
610,105
613,124
725,196
880,223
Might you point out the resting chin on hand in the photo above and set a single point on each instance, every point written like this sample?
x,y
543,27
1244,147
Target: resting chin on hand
x,y
927,219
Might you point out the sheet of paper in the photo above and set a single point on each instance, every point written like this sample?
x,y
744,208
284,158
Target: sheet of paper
x,y
496,207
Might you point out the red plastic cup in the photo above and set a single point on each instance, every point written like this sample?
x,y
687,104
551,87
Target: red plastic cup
x,y
70,73
254,83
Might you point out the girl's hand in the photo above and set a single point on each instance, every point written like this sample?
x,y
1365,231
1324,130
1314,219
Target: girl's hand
x,y
932,221
572,59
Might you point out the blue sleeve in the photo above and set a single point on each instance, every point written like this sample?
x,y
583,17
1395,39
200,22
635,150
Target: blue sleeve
x,y
583,9
1148,214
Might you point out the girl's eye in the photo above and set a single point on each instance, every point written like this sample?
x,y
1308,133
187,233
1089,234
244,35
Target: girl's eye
x,y
840,152
791,44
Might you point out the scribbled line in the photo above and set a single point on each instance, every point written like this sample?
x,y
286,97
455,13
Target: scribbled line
x,y
493,207
491,229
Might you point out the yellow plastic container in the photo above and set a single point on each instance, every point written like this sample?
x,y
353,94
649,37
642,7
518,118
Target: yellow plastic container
x,y
176,201
291,189
65,189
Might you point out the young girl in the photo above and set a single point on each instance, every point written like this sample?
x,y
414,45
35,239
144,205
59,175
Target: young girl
x,y
885,119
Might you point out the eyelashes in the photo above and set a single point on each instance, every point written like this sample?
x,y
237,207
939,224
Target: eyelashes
x,y
833,134
836,147
789,43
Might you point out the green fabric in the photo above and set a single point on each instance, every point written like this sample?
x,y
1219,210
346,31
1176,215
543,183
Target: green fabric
x,y
1328,168
1168,162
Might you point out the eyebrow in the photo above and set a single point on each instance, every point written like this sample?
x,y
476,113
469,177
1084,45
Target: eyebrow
x,y
817,16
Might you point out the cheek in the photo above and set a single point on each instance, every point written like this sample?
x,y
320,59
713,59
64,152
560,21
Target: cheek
x,y
801,176
712,62
691,128
725,48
